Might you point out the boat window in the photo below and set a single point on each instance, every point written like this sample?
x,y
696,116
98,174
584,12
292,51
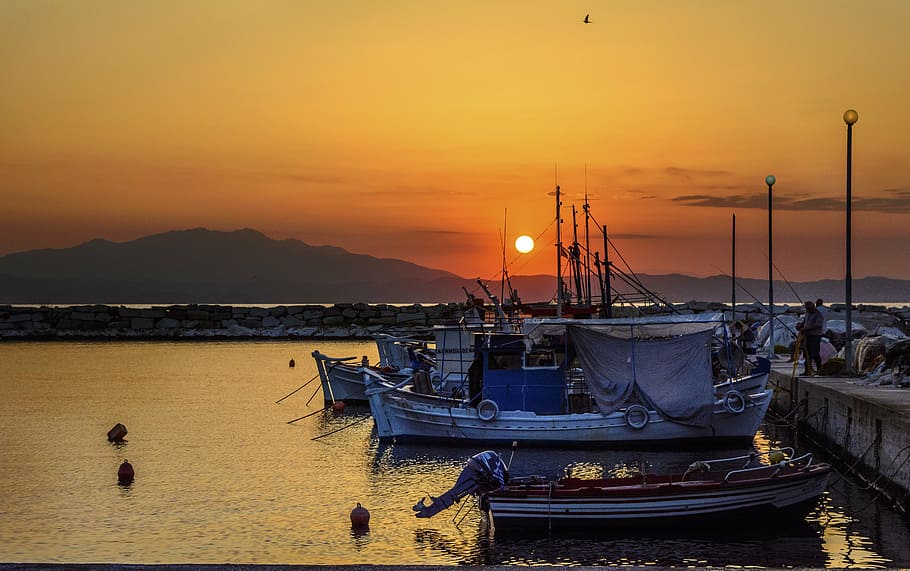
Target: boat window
x,y
540,358
505,361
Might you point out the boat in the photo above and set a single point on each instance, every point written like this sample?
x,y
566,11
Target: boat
x,y
341,377
741,490
599,382
443,363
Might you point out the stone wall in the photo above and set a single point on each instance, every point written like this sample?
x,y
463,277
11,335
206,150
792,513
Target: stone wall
x,y
355,320
213,321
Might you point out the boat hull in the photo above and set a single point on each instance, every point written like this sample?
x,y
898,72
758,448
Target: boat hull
x,y
405,415
789,496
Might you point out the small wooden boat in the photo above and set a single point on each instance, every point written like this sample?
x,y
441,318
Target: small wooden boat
x,y
745,492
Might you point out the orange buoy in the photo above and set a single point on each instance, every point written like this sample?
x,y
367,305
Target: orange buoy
x,y
338,407
360,517
125,473
291,363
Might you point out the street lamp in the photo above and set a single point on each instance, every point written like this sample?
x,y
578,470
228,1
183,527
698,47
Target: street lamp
x,y
850,117
770,180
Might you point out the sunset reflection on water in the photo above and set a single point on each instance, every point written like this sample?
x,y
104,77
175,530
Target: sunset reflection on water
x,y
222,477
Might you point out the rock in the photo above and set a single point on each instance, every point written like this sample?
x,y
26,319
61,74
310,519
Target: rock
x,y
140,323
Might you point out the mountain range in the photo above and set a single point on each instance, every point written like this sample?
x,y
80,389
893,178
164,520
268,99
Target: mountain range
x,y
245,266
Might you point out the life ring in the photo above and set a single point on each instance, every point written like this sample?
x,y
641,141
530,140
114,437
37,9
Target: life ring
x,y
487,410
734,401
637,416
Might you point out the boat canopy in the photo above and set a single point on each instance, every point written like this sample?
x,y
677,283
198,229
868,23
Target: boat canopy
x,y
628,327
663,361
671,375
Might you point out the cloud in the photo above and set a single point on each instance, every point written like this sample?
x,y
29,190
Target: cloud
x,y
688,174
896,200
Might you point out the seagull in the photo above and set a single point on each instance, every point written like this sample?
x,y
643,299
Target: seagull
x,y
587,19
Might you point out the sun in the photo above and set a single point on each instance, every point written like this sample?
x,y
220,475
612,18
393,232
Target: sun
x,y
524,244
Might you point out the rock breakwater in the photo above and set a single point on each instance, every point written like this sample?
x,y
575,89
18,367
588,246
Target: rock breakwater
x,y
343,321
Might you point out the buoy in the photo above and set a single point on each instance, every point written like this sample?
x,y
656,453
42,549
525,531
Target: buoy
x,y
291,363
338,407
125,473
360,517
117,433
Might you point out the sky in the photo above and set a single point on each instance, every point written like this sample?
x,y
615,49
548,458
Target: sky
x,y
436,131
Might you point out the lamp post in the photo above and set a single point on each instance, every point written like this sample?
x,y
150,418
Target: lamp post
x,y
770,180
850,117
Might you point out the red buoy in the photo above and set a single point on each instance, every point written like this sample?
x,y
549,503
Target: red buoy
x,y
125,473
360,517
338,407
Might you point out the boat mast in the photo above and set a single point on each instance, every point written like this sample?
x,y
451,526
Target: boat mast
x,y
733,272
608,300
587,209
558,256
576,256
502,287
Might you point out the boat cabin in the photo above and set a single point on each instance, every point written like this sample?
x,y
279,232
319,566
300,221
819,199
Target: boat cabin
x,y
518,378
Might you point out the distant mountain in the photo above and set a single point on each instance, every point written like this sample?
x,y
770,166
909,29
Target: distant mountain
x,y
206,266
245,266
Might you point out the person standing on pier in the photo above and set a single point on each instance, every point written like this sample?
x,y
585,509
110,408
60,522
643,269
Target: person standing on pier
x,y
820,306
811,327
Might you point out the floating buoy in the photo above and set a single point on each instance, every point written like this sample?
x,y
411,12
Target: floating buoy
x,y
360,517
291,363
338,407
117,433
125,473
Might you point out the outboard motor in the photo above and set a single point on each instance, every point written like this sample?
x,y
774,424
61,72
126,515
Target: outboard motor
x,y
485,472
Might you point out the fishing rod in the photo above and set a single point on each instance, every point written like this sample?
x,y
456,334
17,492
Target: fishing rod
x,y
787,281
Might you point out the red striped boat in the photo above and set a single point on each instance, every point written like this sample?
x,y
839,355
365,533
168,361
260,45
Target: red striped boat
x,y
786,488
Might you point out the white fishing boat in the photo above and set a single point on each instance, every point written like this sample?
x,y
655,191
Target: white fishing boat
x,y
583,383
739,490
445,361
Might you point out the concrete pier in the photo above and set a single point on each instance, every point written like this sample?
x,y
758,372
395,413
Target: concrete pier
x,y
866,427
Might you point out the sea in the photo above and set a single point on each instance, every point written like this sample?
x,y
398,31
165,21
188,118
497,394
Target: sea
x,y
222,475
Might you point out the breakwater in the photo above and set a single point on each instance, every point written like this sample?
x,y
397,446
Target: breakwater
x,y
342,321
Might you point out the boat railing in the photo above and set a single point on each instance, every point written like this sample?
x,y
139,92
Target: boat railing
x,y
326,358
370,377
778,457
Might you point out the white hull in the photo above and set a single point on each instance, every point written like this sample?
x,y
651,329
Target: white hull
x,y
400,413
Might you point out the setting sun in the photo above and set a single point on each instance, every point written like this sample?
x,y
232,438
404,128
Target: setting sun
x,y
524,244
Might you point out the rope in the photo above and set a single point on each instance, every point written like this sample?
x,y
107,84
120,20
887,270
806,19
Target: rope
x,y
342,428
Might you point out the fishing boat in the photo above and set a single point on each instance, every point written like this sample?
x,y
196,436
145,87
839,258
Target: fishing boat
x,y
709,493
341,377
565,382
444,362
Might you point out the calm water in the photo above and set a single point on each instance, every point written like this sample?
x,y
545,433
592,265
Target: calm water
x,y
221,477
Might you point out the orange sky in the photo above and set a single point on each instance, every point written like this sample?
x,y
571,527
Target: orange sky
x,y
408,129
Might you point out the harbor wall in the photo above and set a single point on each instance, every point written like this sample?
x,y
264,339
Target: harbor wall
x,y
352,320
865,428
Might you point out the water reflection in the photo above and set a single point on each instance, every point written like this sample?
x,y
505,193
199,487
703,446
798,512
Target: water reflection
x,y
828,537
221,476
